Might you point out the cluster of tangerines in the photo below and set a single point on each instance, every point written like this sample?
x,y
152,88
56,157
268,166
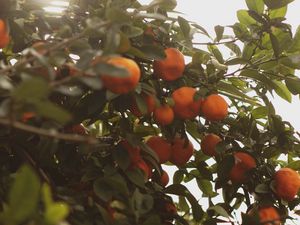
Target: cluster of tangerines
x,y
4,34
186,106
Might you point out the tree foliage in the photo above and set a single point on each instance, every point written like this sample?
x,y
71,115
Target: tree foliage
x,y
64,136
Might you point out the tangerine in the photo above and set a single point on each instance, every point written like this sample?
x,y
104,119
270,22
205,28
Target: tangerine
x,y
269,216
181,151
164,179
186,107
214,108
164,115
122,85
243,164
172,67
150,103
4,35
133,152
287,183
161,147
209,143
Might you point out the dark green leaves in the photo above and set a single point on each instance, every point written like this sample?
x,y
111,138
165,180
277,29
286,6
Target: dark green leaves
x,y
219,32
178,189
256,5
275,4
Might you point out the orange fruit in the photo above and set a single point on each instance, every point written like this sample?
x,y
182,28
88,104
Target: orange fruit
x,y
170,208
76,129
164,179
164,115
172,67
150,103
142,165
269,216
243,164
214,108
209,143
122,85
161,147
181,152
186,107
27,116
133,152
4,36
287,183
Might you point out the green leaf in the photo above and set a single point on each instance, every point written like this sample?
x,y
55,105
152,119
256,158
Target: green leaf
x,y
278,13
275,4
31,90
185,29
219,210
260,112
52,111
117,15
245,18
295,45
165,4
56,212
256,5
152,220
275,45
293,84
282,90
23,196
219,32
153,52
216,52
180,190
294,165
206,187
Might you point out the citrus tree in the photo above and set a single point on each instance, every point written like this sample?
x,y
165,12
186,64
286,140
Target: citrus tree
x,y
94,101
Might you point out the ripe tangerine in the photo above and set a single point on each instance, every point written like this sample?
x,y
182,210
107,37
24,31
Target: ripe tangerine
x,y
209,143
287,183
122,85
164,115
186,107
161,147
214,108
172,67
243,164
181,151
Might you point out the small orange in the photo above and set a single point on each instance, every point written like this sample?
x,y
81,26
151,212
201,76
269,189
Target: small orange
x,y
170,208
76,129
161,147
142,165
268,215
27,116
214,108
243,164
164,179
164,115
4,36
209,143
150,103
287,183
172,67
133,152
186,107
122,85
181,151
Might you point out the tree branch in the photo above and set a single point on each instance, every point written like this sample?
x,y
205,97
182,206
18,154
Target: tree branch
x,y
51,133
216,43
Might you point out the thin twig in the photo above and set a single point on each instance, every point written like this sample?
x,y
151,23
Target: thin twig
x,y
48,132
216,43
